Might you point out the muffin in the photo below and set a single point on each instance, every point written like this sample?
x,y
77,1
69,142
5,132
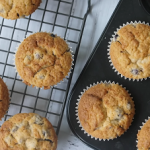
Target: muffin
x,y
105,111
4,99
43,60
14,9
143,137
129,51
27,131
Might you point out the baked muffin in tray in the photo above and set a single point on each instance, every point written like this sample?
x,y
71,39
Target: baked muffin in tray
x,y
105,111
129,50
143,138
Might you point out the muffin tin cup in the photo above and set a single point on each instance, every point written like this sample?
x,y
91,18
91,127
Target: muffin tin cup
x,y
76,111
140,129
113,39
28,34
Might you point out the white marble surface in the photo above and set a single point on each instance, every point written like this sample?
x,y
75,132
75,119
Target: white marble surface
x,y
100,13
101,10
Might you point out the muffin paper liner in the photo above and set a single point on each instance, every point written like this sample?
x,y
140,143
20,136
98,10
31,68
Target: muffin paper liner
x,y
113,39
76,111
28,34
140,129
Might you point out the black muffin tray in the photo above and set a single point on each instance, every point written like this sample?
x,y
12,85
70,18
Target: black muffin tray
x,y
98,69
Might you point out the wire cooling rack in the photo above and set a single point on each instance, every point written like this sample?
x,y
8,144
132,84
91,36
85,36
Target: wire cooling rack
x,y
64,19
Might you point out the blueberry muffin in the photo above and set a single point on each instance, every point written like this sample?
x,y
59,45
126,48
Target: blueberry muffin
x,y
14,9
4,99
27,131
130,53
43,60
105,111
143,137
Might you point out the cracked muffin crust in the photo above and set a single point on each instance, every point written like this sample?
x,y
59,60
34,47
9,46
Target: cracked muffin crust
x,y
27,131
4,99
43,60
143,137
130,52
14,9
105,111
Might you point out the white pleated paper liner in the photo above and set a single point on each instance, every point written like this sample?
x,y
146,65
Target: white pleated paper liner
x,y
70,49
76,109
113,39
143,123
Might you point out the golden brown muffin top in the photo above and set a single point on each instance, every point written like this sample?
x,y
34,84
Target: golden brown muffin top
x,y
43,60
4,98
14,9
106,111
143,137
27,131
130,52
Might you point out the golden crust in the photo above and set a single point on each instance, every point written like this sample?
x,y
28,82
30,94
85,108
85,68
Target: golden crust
x,y
14,9
143,137
130,53
27,131
43,60
4,99
106,111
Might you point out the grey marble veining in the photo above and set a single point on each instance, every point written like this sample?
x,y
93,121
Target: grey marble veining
x,y
101,11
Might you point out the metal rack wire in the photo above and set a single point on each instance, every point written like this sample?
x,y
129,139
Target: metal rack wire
x,y
47,103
